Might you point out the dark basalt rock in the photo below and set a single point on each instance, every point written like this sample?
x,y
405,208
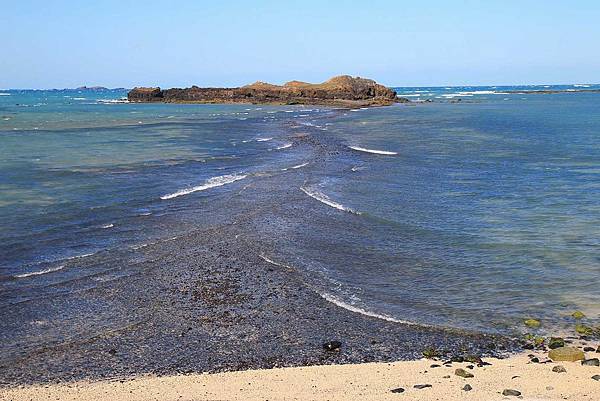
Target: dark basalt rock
x,y
589,349
463,373
467,387
596,377
332,346
509,392
559,369
343,90
556,342
422,386
397,390
591,362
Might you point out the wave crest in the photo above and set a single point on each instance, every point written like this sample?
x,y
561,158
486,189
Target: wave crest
x,y
210,183
325,199
375,151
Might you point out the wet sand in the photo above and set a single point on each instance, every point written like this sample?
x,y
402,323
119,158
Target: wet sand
x,y
371,381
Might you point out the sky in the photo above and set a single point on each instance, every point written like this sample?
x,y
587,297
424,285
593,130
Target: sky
x,y
122,43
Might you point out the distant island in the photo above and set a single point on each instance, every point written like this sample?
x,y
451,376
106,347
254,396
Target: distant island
x,y
343,90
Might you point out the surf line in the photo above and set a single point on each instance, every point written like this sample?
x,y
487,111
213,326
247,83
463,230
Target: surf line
x,y
325,199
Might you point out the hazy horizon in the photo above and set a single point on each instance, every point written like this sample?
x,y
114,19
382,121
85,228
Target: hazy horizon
x,y
122,44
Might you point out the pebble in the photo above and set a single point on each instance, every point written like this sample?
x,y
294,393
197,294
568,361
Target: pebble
x,y
467,387
446,377
559,369
596,377
510,392
589,349
434,366
591,362
422,386
463,373
397,390
549,388
332,346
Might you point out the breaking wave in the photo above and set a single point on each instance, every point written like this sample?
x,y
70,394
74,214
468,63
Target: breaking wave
x,y
210,183
50,270
325,199
287,145
375,151
336,301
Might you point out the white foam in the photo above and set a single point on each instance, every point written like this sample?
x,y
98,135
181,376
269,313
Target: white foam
x,y
50,270
266,259
375,151
79,98
263,139
4,94
581,85
300,165
210,183
336,301
325,199
287,145
108,225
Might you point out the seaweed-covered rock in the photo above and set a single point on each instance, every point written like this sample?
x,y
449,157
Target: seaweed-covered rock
x,y
584,330
566,354
533,323
556,342
578,314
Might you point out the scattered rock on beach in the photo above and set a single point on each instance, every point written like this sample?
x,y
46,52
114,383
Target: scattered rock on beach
x,y
332,346
422,386
397,390
559,369
509,392
435,365
556,342
589,349
430,353
596,377
467,387
591,362
566,354
463,373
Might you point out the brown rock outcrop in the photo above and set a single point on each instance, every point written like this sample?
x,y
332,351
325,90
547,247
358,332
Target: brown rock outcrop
x,y
341,91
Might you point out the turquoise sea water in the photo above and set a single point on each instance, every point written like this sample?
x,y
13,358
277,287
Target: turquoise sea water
x,y
479,213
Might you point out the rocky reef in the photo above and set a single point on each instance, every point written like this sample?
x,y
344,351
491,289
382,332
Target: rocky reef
x,y
343,90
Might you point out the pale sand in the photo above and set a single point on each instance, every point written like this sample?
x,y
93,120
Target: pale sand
x,y
371,381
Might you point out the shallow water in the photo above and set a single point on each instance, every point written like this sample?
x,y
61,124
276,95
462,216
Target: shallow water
x,y
472,215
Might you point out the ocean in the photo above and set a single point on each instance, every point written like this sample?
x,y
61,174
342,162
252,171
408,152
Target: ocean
x,y
475,214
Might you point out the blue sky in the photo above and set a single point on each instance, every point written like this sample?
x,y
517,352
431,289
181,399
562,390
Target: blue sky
x,y
49,44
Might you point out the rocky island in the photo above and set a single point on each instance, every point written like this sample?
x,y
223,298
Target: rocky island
x,y
343,90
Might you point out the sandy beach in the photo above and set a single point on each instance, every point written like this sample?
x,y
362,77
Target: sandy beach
x,y
369,381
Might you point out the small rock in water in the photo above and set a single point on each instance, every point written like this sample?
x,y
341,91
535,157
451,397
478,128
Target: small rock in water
x,y
566,354
332,346
559,369
430,353
397,390
556,342
578,314
533,323
591,362
596,377
584,330
467,387
589,349
422,386
509,392
463,373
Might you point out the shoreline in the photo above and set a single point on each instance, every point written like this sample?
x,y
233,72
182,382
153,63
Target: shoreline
x,y
373,381
210,302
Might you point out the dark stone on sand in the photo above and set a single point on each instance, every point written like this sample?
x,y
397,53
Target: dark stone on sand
x,y
446,377
591,362
434,366
473,359
509,392
422,386
556,342
332,346
589,349
528,346
467,387
458,359
559,369
535,360
397,390
463,373
596,377
470,367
